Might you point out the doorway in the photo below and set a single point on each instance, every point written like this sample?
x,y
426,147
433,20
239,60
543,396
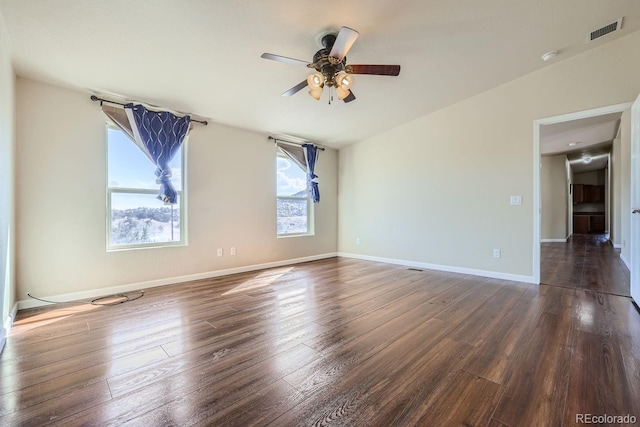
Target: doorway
x,y
575,248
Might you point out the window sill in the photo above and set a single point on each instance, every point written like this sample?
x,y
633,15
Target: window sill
x,y
286,236
145,246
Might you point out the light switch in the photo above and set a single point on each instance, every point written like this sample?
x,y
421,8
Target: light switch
x,y
516,200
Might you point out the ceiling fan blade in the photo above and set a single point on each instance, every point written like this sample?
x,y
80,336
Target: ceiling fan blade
x,y
378,70
285,59
297,88
346,38
350,97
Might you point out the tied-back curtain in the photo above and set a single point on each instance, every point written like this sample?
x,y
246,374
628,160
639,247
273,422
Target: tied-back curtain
x,y
159,134
311,155
305,156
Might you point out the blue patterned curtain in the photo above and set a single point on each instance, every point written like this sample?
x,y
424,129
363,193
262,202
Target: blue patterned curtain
x,y
311,155
160,135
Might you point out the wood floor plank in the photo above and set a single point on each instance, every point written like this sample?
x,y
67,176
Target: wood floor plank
x,y
403,390
594,314
198,401
537,390
487,316
433,303
256,409
585,261
336,342
335,363
66,360
496,357
464,400
45,392
82,398
612,393
233,351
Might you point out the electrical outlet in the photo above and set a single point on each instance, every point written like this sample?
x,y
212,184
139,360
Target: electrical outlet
x,y
516,200
496,253
232,251
357,240
219,251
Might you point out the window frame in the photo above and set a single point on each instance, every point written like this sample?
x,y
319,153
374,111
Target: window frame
x,y
182,197
310,209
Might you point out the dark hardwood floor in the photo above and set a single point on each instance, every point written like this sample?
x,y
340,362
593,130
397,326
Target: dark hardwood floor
x,y
332,342
586,261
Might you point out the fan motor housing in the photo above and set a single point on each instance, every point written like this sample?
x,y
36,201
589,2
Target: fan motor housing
x,y
323,64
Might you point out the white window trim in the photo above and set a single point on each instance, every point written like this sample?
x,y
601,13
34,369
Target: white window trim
x,y
182,195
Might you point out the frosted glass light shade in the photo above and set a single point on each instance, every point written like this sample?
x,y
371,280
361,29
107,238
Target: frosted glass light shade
x,y
315,80
344,80
316,92
342,93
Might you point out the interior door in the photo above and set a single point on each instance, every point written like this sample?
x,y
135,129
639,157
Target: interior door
x,y
635,201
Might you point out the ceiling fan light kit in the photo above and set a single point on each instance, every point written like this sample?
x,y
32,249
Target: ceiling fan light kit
x,y
343,85
331,67
316,93
315,80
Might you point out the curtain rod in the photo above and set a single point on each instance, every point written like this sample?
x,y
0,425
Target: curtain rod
x,y
290,142
95,98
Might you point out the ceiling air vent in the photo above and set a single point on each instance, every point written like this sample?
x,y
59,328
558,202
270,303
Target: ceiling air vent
x,y
607,29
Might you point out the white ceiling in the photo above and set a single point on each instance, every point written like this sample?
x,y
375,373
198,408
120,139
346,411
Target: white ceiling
x,y
589,138
203,56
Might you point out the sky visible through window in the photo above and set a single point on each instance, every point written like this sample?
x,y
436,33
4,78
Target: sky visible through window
x,y
291,179
129,167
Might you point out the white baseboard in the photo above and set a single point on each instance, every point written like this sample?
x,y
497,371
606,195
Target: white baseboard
x,y
6,327
451,269
554,240
94,293
627,263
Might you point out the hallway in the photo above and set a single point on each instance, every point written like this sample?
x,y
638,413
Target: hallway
x,y
586,261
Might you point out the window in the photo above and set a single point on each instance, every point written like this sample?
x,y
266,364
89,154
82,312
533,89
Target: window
x,y
135,217
295,213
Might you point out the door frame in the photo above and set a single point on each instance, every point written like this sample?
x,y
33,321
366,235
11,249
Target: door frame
x,y
537,164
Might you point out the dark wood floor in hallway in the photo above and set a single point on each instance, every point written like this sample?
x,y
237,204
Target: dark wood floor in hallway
x,y
331,342
586,261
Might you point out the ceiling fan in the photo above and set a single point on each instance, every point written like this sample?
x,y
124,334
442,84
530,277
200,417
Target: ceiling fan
x,y
331,67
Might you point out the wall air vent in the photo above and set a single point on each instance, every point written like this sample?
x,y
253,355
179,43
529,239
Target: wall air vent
x,y
607,29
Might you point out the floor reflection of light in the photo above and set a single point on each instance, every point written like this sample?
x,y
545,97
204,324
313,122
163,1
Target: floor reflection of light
x,y
585,314
49,317
163,326
260,281
293,321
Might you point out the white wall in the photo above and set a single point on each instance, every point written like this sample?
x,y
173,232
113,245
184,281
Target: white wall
x,y
61,178
7,147
616,193
553,190
569,179
607,191
436,190
625,188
